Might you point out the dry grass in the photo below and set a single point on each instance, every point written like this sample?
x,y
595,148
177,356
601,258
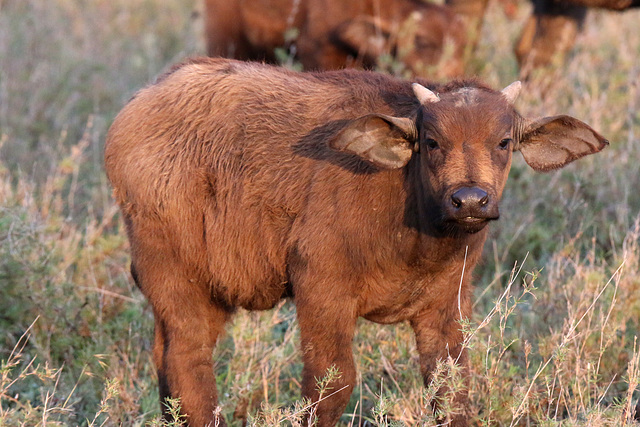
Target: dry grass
x,y
557,305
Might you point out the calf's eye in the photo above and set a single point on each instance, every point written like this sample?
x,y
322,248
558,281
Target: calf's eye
x,y
431,143
504,144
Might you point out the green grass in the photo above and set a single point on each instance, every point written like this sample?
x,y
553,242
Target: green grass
x,y
553,338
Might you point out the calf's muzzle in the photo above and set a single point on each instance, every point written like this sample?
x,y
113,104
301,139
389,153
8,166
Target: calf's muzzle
x,y
472,208
469,198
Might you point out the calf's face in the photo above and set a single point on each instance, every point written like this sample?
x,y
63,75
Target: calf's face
x,y
462,142
465,147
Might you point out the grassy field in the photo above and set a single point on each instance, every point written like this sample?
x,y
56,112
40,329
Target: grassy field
x,y
554,336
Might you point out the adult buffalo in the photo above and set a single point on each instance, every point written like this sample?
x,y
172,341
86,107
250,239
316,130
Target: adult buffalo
x,y
331,34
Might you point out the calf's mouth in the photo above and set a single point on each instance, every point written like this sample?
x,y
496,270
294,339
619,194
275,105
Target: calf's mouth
x,y
471,224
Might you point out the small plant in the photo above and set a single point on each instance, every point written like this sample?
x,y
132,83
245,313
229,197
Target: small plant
x,y
286,56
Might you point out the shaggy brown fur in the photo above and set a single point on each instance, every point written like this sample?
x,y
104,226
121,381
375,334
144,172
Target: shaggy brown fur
x,y
241,184
334,34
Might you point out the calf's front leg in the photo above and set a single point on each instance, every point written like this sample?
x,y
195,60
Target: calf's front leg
x,y
326,333
438,337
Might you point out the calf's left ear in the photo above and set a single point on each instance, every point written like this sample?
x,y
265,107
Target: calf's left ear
x,y
385,141
553,142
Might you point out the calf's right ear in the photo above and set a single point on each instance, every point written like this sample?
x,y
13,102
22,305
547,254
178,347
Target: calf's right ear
x,y
552,142
384,141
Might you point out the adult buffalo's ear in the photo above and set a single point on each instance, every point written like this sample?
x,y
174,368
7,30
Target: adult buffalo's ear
x,y
552,142
366,35
385,141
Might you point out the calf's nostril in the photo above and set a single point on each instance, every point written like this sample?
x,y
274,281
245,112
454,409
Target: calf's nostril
x,y
470,198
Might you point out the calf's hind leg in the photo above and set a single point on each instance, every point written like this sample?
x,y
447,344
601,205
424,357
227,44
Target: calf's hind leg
x,y
187,326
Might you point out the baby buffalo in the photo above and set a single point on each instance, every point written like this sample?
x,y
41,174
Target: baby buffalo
x,y
353,193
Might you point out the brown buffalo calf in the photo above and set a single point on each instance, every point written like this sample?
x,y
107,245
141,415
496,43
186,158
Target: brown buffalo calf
x,y
337,33
354,193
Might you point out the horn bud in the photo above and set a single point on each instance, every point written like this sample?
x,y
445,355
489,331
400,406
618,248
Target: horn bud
x,y
424,95
512,91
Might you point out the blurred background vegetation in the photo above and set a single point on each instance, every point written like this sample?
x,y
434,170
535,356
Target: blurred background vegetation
x,y
553,340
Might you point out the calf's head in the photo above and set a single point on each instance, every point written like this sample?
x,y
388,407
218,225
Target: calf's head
x,y
460,142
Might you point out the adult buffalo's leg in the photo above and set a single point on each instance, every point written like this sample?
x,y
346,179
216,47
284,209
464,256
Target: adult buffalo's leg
x,y
187,325
438,337
549,33
472,13
327,324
